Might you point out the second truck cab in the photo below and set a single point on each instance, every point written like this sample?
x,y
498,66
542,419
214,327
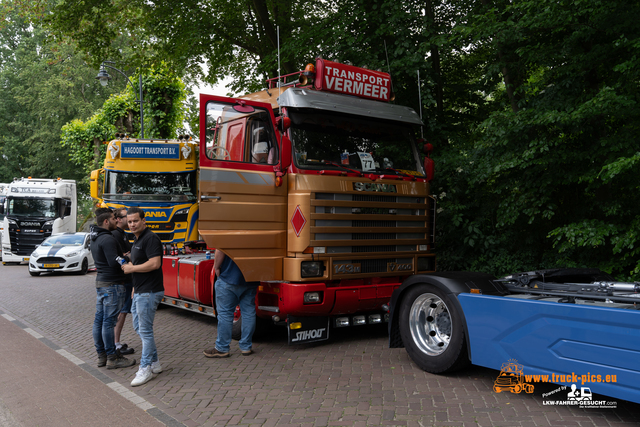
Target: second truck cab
x,y
35,209
159,176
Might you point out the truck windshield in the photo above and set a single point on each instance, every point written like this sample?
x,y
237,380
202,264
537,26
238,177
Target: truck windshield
x,y
175,187
33,207
325,140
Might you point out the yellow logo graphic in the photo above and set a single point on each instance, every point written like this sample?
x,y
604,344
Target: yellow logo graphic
x,y
511,378
156,214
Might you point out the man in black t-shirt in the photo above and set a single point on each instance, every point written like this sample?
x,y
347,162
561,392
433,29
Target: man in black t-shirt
x,y
148,290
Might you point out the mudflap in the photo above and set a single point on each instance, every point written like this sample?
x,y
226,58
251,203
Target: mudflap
x,y
302,330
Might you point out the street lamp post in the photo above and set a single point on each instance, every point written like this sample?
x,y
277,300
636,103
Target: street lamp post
x,y
104,78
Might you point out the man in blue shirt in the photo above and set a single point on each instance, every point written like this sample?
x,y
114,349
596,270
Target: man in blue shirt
x,y
232,290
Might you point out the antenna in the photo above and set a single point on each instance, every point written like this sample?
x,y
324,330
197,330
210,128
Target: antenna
x,y
420,103
388,66
279,73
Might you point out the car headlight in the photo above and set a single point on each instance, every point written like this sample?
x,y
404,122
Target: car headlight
x,y
72,254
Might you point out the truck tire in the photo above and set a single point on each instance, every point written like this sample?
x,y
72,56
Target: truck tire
x,y
432,331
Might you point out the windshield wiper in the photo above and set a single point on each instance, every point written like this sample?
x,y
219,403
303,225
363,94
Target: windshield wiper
x,y
397,172
343,167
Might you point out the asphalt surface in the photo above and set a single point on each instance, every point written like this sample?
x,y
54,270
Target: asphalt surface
x,y
48,375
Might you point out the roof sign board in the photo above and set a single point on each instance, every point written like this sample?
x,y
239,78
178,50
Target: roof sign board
x,y
137,150
350,80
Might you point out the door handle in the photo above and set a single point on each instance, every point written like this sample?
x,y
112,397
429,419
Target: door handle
x,y
209,197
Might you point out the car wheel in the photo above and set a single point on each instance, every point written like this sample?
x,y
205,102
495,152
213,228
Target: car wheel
x,y
34,273
432,330
85,266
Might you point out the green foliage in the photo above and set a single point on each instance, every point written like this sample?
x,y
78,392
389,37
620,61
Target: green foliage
x,y
163,94
552,164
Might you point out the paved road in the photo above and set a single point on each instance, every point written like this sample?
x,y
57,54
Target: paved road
x,y
352,380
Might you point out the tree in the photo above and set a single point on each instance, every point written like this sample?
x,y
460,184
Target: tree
x,y
554,164
42,86
232,39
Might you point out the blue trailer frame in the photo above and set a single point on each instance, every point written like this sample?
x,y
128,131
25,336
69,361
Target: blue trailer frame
x,y
547,336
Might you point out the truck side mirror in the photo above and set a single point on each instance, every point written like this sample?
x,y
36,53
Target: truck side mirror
x,y
429,164
94,184
67,207
285,159
283,123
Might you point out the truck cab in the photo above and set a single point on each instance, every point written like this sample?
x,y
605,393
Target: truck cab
x,y
34,210
317,191
159,176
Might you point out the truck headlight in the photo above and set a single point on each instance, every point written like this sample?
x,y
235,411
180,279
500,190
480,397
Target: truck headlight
x,y
311,268
312,297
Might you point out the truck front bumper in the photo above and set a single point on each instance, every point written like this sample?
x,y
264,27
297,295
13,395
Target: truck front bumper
x,y
279,300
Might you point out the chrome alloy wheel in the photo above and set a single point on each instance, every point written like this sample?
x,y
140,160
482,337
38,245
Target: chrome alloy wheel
x,y
430,324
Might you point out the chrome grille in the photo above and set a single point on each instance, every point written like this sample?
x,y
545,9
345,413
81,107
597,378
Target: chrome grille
x,y
50,260
365,223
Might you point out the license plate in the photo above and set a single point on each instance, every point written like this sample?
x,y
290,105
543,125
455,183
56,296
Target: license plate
x,y
25,259
50,265
308,329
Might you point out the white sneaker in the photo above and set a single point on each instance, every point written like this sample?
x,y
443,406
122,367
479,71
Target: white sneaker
x,y
142,376
156,367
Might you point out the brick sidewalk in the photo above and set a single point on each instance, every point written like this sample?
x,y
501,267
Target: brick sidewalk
x,y
40,386
352,380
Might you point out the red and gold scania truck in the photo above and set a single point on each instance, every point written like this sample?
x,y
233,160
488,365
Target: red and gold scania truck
x,y
316,188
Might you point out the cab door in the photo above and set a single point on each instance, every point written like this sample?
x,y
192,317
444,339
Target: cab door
x,y
243,203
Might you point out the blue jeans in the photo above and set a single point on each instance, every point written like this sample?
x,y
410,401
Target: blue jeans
x,y
143,309
228,296
109,302
126,308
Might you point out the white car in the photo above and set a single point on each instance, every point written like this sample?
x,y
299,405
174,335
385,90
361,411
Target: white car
x,y
68,252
